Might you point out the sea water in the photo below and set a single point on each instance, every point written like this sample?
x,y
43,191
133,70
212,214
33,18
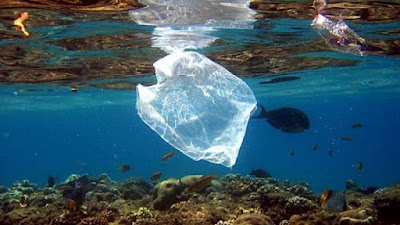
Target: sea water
x,y
56,132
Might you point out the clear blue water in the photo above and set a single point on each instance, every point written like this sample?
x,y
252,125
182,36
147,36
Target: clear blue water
x,y
95,131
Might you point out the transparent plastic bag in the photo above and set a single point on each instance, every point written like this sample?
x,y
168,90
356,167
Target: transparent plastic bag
x,y
198,107
338,36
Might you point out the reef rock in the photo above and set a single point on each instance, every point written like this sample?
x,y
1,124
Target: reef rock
x,y
253,219
166,193
387,203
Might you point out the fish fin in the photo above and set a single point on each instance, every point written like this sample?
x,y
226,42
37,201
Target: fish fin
x,y
263,113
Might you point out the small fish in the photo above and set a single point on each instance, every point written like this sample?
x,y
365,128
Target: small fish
x,y
201,183
124,168
65,187
74,89
347,138
360,166
9,63
156,175
51,181
292,152
330,153
167,156
18,22
260,173
333,201
74,192
356,125
314,147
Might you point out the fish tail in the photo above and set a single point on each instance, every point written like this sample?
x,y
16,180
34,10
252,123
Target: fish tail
x,y
263,113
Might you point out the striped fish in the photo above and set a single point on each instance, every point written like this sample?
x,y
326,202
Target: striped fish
x,y
333,201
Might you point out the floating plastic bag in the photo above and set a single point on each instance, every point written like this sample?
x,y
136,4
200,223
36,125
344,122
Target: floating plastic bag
x,y
172,39
222,13
198,107
337,35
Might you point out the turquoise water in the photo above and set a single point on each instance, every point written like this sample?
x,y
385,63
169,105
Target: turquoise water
x,y
54,131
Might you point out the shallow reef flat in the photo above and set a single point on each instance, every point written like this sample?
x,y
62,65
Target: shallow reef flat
x,y
193,199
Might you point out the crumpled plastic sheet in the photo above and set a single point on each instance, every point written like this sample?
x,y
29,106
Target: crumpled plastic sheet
x,y
223,13
337,35
172,39
198,107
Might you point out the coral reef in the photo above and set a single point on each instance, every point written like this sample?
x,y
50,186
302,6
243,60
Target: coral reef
x,y
253,219
387,203
229,200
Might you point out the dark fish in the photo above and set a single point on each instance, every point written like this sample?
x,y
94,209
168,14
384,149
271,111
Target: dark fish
x,y
64,187
260,173
9,63
167,156
330,153
201,183
75,192
74,89
124,168
156,175
360,166
286,119
356,125
314,147
279,79
292,153
346,138
333,201
51,181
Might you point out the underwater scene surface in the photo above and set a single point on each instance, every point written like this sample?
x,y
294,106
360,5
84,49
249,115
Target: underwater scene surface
x,y
323,144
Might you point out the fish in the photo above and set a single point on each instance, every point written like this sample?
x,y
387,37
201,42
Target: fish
x,y
333,201
330,153
124,168
360,166
74,192
18,22
346,138
51,181
74,89
292,152
167,156
314,147
260,173
279,79
201,183
64,187
286,119
156,175
356,125
9,63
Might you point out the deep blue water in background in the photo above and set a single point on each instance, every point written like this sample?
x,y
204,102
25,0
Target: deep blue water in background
x,y
97,139
95,131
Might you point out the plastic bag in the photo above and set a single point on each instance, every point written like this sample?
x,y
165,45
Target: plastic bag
x,y
225,13
172,39
337,35
198,107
